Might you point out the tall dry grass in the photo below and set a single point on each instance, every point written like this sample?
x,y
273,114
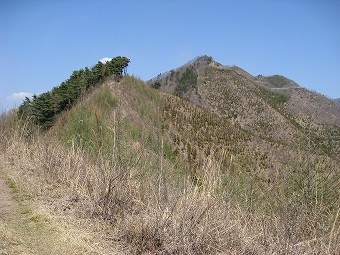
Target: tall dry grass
x,y
154,214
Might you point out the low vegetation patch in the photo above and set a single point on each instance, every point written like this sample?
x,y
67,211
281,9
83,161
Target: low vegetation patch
x,y
277,98
186,81
87,124
278,81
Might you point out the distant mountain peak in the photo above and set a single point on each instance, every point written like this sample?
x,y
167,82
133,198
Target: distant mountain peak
x,y
198,62
203,58
232,92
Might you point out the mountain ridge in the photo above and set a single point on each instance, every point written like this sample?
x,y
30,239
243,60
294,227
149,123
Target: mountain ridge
x,y
273,108
298,99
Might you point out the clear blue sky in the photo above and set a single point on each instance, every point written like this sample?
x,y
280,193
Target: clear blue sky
x,y
42,42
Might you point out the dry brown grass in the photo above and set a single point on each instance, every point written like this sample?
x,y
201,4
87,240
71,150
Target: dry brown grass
x,y
145,216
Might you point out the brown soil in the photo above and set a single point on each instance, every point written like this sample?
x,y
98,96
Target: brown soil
x,y
26,228
7,205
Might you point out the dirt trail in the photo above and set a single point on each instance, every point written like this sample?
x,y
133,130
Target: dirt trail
x,y
8,211
23,231
7,205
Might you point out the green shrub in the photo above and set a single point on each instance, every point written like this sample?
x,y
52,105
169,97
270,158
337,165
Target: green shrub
x,y
156,85
278,81
281,97
187,81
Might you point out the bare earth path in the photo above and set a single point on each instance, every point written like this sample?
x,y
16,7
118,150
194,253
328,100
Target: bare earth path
x,y
25,230
8,211
7,205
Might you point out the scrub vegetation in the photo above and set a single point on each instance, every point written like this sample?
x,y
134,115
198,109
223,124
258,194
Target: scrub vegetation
x,y
164,175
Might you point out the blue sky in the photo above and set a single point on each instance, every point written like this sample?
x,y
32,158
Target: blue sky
x,y
42,42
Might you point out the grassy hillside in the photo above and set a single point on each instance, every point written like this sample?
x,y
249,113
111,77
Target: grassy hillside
x,y
273,108
222,168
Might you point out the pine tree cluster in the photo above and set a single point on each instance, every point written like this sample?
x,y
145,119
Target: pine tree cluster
x,y
43,109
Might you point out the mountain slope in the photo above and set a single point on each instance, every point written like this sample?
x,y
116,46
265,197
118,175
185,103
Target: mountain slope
x,y
273,108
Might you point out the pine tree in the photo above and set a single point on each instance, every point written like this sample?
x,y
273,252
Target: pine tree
x,y
25,109
43,110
